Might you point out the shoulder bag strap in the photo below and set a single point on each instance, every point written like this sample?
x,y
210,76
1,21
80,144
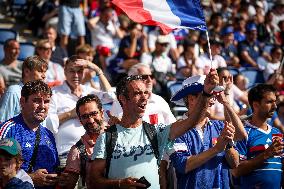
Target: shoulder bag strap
x,y
33,158
152,137
111,138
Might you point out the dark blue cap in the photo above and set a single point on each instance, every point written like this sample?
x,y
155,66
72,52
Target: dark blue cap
x,y
251,27
227,30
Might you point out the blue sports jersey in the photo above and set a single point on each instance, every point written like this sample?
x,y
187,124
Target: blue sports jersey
x,y
214,173
270,173
47,157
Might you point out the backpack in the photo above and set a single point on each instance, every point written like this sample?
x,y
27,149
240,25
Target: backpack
x,y
111,138
83,160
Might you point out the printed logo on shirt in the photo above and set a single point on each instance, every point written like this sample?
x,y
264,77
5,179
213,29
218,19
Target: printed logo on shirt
x,y
28,145
180,147
214,141
268,140
134,151
47,141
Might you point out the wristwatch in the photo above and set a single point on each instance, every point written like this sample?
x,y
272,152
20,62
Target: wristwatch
x,y
230,145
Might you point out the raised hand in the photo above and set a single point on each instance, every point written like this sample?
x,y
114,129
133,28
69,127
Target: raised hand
x,y
275,149
221,97
227,84
112,119
226,136
211,81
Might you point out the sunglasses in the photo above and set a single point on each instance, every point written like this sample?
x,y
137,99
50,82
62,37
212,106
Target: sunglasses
x,y
45,48
89,115
145,77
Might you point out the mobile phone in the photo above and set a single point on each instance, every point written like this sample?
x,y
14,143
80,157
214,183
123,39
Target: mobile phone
x,y
59,170
144,181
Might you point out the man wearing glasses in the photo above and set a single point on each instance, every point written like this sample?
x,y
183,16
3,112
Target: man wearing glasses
x,y
133,156
90,113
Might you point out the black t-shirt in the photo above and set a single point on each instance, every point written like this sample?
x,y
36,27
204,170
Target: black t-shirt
x,y
58,55
125,43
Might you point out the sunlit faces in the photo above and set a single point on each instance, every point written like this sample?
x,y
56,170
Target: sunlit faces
x,y
8,165
45,51
216,49
147,76
224,76
35,74
192,101
277,54
139,29
138,96
267,106
50,34
86,56
13,50
91,118
35,107
74,74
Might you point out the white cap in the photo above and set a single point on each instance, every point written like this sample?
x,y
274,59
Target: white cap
x,y
163,39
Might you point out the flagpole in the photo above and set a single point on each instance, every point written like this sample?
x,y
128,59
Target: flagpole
x,y
279,71
209,47
217,88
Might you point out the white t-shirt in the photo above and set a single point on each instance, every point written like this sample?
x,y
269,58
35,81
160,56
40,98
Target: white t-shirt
x,y
55,72
102,35
235,94
203,62
270,68
152,38
162,64
70,131
133,155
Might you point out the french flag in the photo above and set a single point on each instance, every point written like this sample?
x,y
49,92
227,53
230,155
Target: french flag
x,y
167,14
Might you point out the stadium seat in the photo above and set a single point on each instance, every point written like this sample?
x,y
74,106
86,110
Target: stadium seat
x,y
7,34
1,51
26,50
254,76
233,71
19,7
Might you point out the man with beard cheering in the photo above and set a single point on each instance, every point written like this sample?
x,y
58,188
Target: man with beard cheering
x,y
262,151
37,142
90,113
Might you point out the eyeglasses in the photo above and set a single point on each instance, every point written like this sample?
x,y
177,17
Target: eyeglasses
x,y
145,77
45,48
133,77
89,115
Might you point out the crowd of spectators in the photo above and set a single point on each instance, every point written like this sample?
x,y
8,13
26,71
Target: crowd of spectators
x,y
93,67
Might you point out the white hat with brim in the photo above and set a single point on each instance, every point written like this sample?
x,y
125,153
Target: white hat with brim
x,y
191,85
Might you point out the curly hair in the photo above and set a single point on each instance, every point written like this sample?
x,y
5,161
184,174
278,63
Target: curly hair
x,y
87,99
33,87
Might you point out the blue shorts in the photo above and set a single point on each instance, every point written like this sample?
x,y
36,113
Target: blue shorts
x,y
71,20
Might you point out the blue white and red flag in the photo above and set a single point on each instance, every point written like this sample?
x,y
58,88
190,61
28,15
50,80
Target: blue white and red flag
x,y
167,14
